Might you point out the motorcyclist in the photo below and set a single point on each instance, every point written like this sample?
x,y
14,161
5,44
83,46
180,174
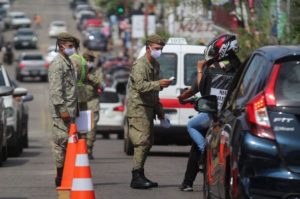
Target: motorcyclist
x,y
214,77
8,55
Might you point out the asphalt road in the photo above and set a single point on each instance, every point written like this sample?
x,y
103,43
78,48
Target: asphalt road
x,y
31,176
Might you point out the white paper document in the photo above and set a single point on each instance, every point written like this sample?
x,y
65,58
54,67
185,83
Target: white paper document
x,y
84,121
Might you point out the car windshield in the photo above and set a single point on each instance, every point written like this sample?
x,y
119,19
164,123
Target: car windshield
x,y
19,17
109,97
25,33
190,67
59,24
168,66
287,85
33,57
97,34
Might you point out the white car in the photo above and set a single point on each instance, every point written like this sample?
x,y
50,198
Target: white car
x,y
17,133
51,53
111,113
16,19
5,4
57,27
84,12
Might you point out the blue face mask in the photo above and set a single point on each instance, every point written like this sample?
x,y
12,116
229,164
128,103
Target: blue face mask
x,y
69,51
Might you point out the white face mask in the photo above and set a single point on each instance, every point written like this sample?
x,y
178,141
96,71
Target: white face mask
x,y
90,65
155,53
69,51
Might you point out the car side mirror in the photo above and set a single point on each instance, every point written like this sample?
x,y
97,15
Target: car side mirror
x,y
6,90
19,92
27,98
207,104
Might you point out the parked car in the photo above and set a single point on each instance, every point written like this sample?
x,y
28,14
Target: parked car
x,y
92,23
75,3
51,53
57,27
5,4
32,65
96,41
4,91
16,19
16,136
80,9
253,149
25,38
111,114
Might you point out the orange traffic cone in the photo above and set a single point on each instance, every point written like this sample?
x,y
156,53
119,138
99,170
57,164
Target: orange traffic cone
x,y
82,186
68,172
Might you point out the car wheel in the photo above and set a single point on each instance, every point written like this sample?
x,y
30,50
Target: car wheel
x,y
44,78
15,151
25,141
4,153
121,135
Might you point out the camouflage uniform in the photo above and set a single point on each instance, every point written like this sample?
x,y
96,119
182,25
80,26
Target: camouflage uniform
x,y
80,66
142,107
94,82
63,98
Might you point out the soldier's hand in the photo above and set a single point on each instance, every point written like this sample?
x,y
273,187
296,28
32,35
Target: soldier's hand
x,y
163,83
65,116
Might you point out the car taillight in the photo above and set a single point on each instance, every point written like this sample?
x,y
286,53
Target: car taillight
x,y
46,65
257,108
21,65
119,108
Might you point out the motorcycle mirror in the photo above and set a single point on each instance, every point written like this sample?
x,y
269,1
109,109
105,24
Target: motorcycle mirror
x,y
207,104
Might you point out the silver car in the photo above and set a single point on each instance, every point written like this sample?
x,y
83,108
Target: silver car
x,y
32,65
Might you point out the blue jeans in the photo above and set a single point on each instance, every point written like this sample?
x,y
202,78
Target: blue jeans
x,y
197,127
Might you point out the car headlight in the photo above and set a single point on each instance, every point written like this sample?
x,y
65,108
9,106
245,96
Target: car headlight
x,y
9,112
91,37
16,38
34,39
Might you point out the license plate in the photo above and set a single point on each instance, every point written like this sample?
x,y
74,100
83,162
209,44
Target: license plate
x,y
25,43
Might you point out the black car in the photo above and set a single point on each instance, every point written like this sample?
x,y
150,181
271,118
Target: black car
x,y
95,40
253,148
25,38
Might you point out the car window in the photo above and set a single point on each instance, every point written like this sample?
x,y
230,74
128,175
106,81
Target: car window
x,y
168,66
109,97
287,85
33,57
190,67
2,81
27,33
252,81
19,17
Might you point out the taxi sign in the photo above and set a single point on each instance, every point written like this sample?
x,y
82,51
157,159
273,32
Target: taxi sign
x,y
177,41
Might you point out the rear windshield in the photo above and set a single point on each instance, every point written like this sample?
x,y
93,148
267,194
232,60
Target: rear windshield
x,y
287,85
19,17
190,67
33,57
168,66
109,97
27,33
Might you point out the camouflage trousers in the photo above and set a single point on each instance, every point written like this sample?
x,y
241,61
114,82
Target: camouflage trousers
x,y
91,135
141,136
60,134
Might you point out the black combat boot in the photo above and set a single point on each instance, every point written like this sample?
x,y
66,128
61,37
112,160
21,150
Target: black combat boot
x,y
138,182
58,178
153,184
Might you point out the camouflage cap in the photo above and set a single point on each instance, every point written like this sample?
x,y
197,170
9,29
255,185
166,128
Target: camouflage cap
x,y
64,36
88,55
156,39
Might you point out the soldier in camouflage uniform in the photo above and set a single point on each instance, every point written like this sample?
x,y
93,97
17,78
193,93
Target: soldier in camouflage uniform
x,y
93,88
80,66
63,98
143,106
